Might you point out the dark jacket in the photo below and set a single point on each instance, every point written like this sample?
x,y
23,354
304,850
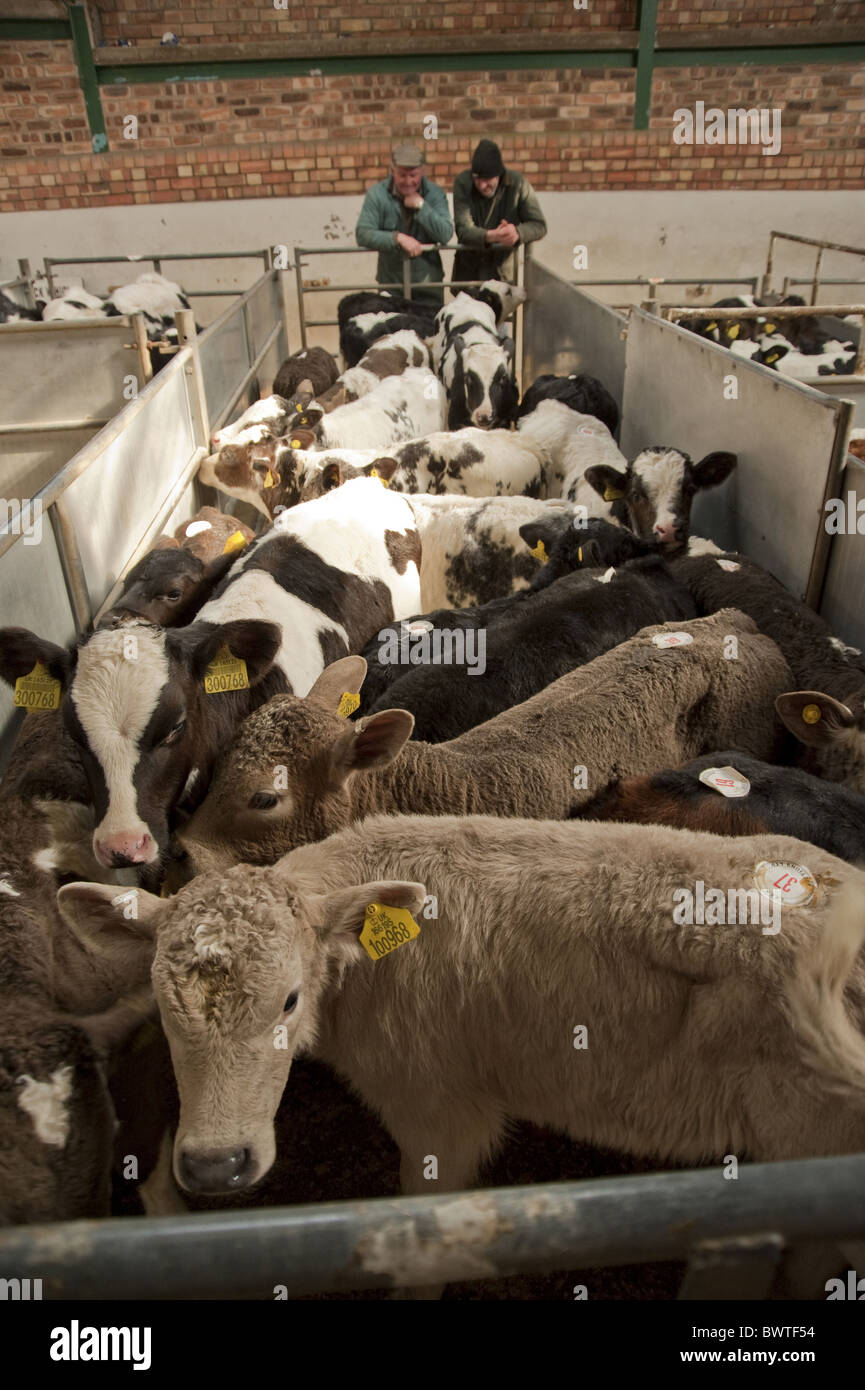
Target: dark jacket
x,y
514,200
383,214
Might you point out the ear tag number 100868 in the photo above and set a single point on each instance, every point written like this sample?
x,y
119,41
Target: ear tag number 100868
x,y
385,929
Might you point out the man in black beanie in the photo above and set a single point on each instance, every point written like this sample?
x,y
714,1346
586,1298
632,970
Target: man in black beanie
x,y
494,210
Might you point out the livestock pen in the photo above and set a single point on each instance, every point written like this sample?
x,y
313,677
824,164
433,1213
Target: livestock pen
x,y
743,1238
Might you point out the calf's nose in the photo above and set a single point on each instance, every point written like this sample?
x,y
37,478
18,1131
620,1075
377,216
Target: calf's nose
x,y
664,531
119,851
215,1170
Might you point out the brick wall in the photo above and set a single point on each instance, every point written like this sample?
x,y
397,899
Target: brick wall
x,y
277,136
214,21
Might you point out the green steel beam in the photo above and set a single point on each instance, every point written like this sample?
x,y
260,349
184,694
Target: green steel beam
x,y
340,67
724,57
645,63
34,29
87,78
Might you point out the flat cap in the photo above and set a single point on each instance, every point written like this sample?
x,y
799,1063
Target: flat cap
x,y
408,155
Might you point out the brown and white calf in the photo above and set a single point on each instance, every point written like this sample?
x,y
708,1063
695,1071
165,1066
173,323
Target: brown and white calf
x,y
298,772
655,491
318,584
557,971
389,356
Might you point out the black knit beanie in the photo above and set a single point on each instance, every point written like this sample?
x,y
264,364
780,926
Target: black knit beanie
x,y
487,160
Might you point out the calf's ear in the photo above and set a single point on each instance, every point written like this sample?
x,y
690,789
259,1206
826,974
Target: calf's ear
x,y
345,675
601,477
254,641
714,468
384,467
814,718
20,649
547,529
115,922
341,914
371,743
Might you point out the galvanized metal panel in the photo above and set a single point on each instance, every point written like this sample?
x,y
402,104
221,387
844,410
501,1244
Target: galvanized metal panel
x,y
567,330
263,310
64,371
29,460
225,359
843,602
32,594
846,388
786,436
115,500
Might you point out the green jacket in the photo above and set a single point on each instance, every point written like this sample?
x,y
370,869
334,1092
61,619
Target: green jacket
x,y
514,200
383,214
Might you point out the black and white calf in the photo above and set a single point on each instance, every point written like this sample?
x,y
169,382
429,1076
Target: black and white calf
x,y
582,393
366,316
315,587
473,361
653,494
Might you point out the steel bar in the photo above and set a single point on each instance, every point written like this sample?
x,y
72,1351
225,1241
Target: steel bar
x,y
185,321
139,329
408,1241
87,78
685,280
53,426
71,564
648,22
774,311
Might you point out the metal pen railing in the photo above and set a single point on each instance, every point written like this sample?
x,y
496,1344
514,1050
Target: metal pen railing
x,y
820,247
265,255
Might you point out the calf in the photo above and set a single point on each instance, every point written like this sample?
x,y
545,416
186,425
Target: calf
x,y
825,707
581,393
313,364
322,580
398,408
557,974
367,316
390,355
657,489
527,641
76,303
474,365
573,543
837,359
573,444
211,534
13,312
780,800
298,772
63,1010
268,418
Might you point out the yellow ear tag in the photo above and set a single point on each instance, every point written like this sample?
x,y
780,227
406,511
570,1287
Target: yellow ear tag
x,y
225,672
236,541
385,929
348,703
733,330
771,357
385,482
612,494
770,328
295,443
710,326
580,553
812,714
37,690
270,480
540,553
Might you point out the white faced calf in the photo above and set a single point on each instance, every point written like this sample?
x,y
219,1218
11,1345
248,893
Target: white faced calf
x,y
655,492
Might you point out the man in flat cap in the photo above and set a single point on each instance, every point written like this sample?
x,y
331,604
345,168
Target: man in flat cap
x,y
494,210
401,214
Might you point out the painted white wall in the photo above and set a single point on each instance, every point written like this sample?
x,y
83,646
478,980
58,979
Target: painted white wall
x,y
626,233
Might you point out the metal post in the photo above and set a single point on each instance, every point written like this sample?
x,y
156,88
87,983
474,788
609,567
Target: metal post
x,y
406,276
816,280
88,80
298,272
767,277
142,347
185,321
73,569
282,282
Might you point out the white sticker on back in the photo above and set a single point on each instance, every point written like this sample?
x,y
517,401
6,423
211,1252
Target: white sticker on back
x,y
672,639
790,884
725,780
729,565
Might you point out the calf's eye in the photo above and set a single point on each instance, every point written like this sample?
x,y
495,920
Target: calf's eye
x,y
174,734
290,1003
262,801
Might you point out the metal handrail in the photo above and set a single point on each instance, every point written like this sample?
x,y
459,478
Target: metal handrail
x,y
805,241
264,254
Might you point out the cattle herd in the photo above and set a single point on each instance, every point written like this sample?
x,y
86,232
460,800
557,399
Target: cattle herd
x,y
468,772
